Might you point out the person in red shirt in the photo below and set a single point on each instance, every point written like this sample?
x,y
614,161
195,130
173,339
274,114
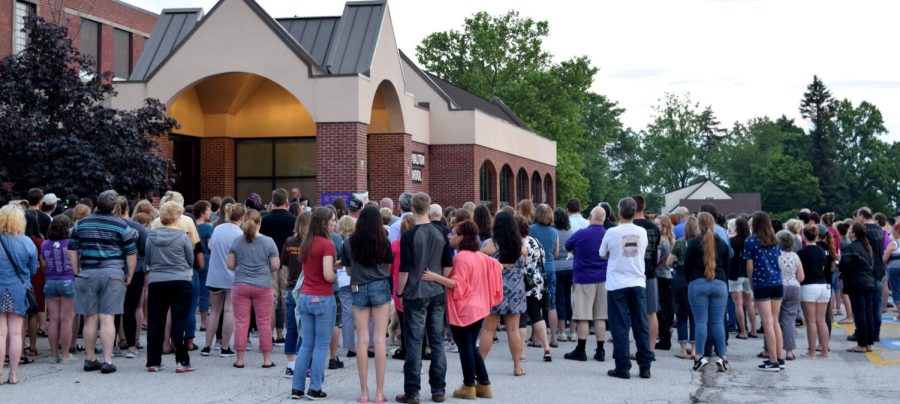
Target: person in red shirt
x,y
316,305
476,285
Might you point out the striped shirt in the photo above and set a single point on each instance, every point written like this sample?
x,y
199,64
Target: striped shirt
x,y
103,240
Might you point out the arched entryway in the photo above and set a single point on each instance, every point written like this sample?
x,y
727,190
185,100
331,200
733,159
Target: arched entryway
x,y
392,166
536,187
506,186
241,133
487,182
522,185
548,190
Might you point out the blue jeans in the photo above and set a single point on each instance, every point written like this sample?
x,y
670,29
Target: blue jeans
x,y
628,309
564,296
291,337
685,326
708,301
876,308
204,292
348,330
894,283
421,316
195,299
317,316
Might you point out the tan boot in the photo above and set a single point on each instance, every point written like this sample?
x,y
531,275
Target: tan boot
x,y
483,390
465,392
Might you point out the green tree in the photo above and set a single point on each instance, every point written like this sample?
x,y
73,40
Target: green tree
x,y
865,159
818,107
502,56
787,183
674,145
603,129
56,134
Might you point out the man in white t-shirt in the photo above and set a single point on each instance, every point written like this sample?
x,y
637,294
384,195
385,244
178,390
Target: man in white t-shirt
x,y
624,247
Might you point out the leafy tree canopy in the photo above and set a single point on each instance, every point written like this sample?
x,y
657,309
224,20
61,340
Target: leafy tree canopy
x,y
55,132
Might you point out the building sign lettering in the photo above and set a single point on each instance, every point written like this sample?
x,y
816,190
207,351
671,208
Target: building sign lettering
x,y
418,164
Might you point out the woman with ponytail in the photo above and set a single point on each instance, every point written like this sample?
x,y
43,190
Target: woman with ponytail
x,y
253,257
219,280
857,267
705,265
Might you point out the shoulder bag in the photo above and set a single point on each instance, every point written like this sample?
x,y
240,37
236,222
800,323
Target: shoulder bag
x,y
29,292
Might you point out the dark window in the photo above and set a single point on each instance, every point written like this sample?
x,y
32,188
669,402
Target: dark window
x,y
121,53
90,41
506,179
521,185
485,183
262,165
536,188
20,37
548,189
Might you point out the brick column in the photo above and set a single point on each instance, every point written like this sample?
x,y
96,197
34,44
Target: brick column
x,y
389,159
216,167
340,151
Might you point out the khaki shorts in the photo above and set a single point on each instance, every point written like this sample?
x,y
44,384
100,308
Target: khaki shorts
x,y
589,301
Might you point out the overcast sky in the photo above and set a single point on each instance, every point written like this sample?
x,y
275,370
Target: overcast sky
x,y
745,58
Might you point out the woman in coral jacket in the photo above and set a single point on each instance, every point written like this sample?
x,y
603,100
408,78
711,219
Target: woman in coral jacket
x,y
475,285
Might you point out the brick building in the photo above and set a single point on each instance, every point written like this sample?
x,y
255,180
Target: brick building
x,y
328,105
111,32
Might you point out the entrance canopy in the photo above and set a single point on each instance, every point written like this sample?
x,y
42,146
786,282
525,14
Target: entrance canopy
x,y
240,105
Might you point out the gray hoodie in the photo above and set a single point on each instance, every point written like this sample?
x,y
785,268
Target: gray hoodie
x,y
169,255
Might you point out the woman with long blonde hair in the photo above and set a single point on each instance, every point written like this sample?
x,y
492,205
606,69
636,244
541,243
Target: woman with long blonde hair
x,y
705,265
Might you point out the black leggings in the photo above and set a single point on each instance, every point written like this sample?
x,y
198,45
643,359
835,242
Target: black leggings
x,y
132,300
469,357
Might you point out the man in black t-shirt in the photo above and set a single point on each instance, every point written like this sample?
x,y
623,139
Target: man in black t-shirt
x,y
875,235
423,248
279,225
651,258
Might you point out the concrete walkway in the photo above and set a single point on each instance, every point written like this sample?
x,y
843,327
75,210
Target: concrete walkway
x,y
844,378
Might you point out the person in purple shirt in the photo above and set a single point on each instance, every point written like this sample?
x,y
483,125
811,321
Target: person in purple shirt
x,y
589,291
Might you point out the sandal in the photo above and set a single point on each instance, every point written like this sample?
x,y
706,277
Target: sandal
x,y
857,350
271,365
362,399
762,355
754,336
845,321
740,337
25,360
381,400
518,372
238,366
680,356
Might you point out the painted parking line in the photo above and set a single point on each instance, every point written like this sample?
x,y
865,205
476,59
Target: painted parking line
x,y
890,341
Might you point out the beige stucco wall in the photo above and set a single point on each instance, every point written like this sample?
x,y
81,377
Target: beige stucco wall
x,y
219,46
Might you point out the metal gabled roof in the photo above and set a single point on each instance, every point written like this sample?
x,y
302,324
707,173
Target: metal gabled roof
x,y
314,34
172,26
353,45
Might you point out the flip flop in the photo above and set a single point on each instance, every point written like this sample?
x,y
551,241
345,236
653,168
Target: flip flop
x,y
854,350
740,337
271,365
680,356
238,366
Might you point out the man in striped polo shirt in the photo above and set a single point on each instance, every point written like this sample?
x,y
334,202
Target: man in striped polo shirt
x,y
103,254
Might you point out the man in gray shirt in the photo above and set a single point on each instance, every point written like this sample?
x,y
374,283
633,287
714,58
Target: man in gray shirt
x,y
423,248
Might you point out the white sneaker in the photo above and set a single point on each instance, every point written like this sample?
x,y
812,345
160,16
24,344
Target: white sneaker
x,y
452,348
132,353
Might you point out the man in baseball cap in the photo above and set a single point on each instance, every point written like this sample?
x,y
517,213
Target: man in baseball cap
x,y
355,206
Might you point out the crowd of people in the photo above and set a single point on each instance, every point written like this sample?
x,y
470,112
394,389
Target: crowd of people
x,y
306,278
